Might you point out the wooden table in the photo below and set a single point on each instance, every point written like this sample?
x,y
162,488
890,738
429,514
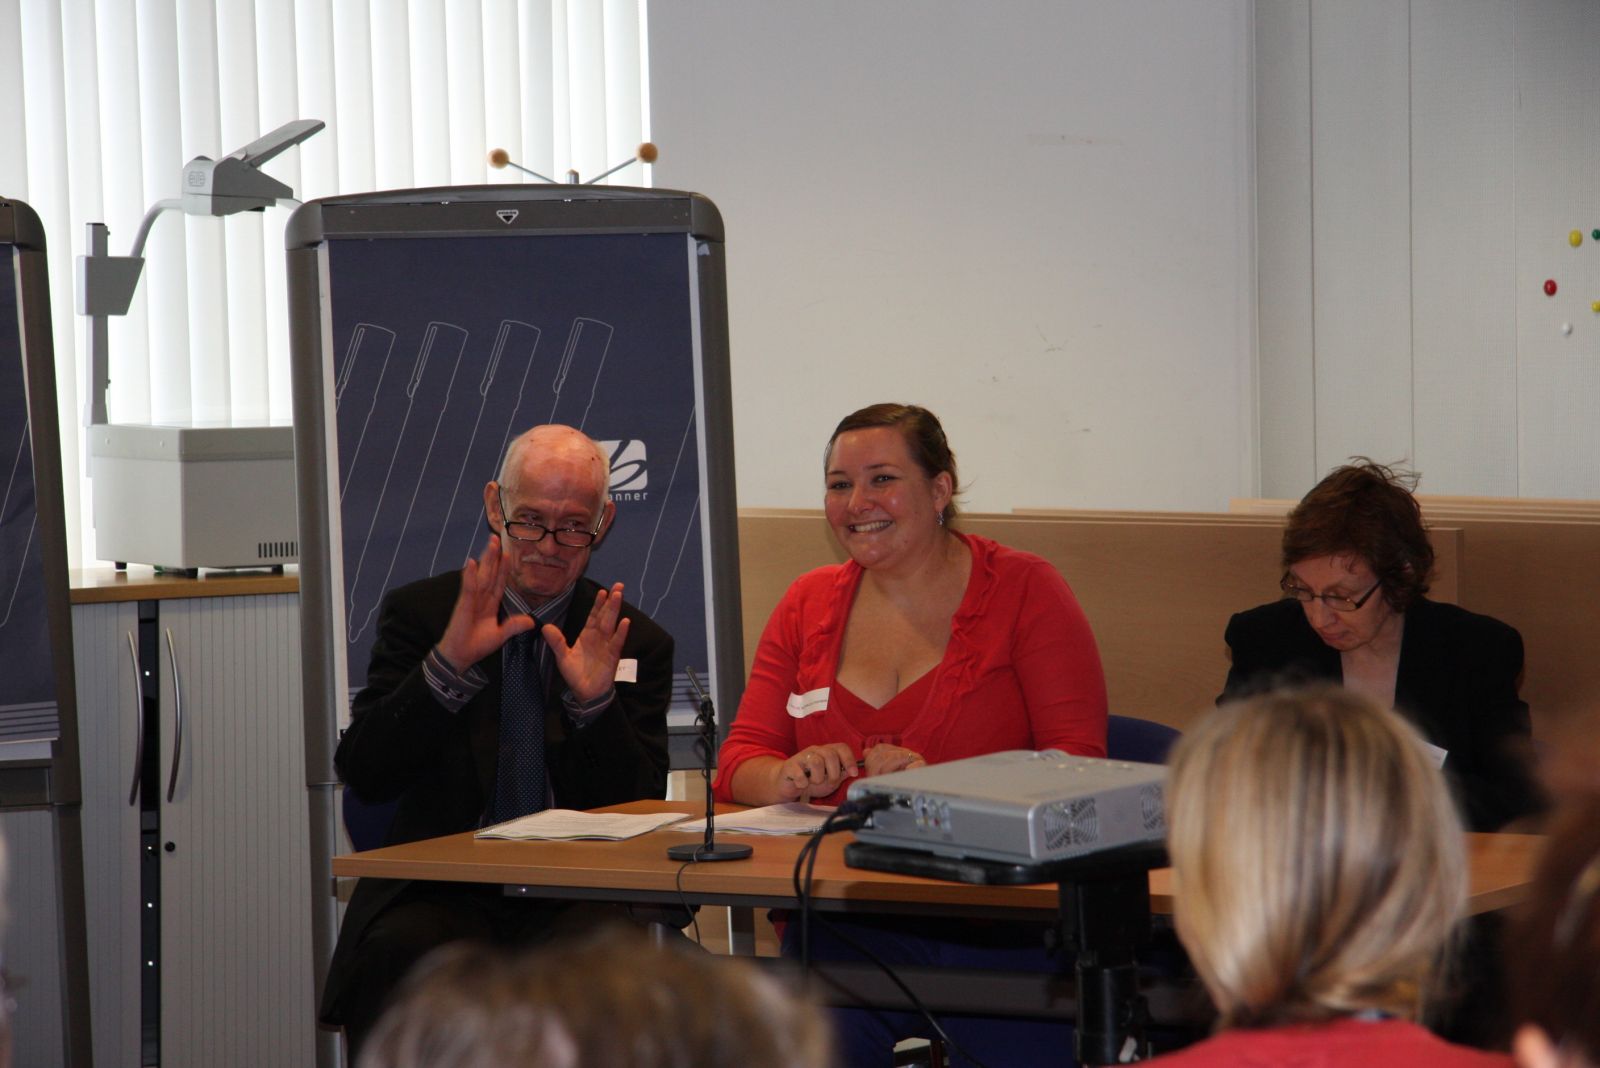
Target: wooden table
x,y
638,870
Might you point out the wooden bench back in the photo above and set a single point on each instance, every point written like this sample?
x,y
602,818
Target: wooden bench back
x,y
1158,588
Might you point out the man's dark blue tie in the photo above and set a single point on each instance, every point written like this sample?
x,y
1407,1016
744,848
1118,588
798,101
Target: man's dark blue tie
x,y
520,772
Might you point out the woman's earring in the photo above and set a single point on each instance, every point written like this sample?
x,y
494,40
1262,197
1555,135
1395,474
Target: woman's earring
x,y
941,517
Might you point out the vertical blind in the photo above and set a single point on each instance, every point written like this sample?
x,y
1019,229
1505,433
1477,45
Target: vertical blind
x,y
102,102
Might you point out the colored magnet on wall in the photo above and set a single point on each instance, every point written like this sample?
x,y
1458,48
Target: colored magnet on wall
x,y
1549,287
1566,329
1575,238
1594,306
1595,234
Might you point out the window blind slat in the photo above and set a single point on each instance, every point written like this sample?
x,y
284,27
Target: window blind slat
x,y
110,98
469,138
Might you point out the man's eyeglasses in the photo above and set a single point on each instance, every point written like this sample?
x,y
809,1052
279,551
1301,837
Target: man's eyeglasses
x,y
571,537
1336,601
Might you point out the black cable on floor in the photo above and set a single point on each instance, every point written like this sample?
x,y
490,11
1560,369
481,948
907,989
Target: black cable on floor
x,y
850,816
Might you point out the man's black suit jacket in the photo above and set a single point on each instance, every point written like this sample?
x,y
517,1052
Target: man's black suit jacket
x,y
1457,683
402,744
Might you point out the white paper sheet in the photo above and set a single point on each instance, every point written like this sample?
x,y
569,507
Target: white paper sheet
x,y
790,818
566,823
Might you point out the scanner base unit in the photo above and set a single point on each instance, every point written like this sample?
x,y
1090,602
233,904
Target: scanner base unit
x,y
194,496
1017,806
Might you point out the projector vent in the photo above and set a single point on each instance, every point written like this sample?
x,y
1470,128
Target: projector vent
x,y
1150,808
1071,823
269,550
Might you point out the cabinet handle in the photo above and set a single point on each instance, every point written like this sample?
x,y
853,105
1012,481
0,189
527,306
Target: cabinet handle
x,y
177,718
138,709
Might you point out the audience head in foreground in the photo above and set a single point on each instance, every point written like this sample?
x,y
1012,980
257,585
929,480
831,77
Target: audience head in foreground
x,y
1554,949
610,998
1318,866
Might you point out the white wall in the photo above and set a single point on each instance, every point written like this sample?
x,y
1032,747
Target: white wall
x,y
1420,166
1033,216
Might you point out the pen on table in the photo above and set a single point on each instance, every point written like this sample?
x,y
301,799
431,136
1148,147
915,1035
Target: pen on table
x,y
805,792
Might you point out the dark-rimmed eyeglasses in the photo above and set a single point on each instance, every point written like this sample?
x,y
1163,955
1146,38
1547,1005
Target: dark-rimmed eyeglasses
x,y
533,533
1336,601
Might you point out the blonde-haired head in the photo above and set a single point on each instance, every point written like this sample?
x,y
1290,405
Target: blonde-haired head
x,y
1317,856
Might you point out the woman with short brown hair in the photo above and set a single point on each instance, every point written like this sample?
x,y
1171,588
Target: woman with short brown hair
x,y
1356,567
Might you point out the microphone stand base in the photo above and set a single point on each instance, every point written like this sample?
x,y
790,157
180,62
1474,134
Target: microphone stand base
x,y
715,851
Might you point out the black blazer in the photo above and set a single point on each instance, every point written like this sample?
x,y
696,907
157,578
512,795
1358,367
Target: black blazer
x,y
1457,684
401,743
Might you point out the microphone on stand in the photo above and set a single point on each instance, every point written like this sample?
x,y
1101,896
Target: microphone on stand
x,y
646,153
709,849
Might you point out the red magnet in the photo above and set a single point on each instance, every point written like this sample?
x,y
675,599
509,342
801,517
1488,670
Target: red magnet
x,y
1549,287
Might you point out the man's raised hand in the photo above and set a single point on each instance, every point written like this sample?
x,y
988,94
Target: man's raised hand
x,y
589,665
476,629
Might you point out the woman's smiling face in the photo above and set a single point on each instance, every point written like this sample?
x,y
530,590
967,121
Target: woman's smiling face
x,y
882,506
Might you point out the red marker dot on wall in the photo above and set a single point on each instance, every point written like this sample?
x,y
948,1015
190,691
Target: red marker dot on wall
x,y
1549,287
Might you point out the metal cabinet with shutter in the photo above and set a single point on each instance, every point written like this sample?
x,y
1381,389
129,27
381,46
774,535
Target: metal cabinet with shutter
x,y
196,828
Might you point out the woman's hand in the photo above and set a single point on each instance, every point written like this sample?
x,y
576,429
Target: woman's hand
x,y
883,758
815,771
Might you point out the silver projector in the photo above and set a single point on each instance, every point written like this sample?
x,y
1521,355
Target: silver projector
x,y
1018,806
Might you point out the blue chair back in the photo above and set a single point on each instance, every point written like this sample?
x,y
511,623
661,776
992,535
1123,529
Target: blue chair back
x,y
1141,740
366,823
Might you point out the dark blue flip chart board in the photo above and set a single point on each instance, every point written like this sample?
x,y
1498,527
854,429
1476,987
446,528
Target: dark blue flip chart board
x,y
39,766
444,350
27,675
36,686
429,327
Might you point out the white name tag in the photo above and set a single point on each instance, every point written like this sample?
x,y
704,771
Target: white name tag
x,y
802,705
627,671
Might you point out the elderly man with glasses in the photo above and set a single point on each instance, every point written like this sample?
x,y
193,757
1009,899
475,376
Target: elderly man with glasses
x,y
512,685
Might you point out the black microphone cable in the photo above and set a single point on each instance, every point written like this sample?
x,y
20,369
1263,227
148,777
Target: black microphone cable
x,y
692,911
848,817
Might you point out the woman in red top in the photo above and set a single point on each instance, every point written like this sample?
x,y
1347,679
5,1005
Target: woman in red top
x,y
928,645
1318,868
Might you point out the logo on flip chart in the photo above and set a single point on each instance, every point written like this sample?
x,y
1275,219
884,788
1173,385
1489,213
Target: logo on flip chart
x,y
629,474
507,215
